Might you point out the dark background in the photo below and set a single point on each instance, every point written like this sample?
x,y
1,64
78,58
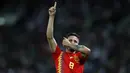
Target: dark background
x,y
104,27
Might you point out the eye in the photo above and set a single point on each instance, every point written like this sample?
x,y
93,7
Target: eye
x,y
70,40
75,41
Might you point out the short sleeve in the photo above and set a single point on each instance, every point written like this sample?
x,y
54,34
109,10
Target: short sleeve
x,y
82,58
56,53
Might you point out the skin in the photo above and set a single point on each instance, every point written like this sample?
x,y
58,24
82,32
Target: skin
x,y
70,42
73,40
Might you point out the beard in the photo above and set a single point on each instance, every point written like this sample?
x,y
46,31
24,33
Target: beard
x,y
71,50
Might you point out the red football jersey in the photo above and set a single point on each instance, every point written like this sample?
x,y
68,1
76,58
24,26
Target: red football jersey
x,y
68,62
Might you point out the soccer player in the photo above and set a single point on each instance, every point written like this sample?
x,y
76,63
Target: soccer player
x,y
73,58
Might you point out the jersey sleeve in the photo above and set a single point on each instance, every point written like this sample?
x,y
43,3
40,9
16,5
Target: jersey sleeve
x,y
82,58
57,52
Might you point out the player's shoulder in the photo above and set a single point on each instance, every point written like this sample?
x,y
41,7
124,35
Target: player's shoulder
x,y
58,46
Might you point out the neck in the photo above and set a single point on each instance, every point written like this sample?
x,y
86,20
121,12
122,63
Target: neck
x,y
67,50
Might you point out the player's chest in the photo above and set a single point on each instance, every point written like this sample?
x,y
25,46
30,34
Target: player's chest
x,y
71,60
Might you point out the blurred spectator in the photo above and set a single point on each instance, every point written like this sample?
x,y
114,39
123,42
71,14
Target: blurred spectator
x,y
103,26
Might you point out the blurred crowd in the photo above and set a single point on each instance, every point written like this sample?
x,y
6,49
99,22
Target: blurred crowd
x,y
104,27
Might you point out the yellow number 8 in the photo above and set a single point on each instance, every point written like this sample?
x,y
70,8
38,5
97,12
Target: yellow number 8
x,y
71,65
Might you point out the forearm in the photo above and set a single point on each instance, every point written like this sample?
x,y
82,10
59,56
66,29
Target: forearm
x,y
50,38
80,48
50,27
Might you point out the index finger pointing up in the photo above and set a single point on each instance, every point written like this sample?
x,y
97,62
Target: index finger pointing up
x,y
55,4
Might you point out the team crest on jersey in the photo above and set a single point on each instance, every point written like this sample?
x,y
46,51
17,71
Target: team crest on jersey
x,y
76,58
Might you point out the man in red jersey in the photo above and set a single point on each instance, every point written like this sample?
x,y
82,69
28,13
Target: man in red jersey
x,y
72,60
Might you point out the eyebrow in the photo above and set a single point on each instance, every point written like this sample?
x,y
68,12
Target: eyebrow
x,y
74,40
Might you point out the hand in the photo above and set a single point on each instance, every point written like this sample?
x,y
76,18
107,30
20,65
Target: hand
x,y
52,10
66,42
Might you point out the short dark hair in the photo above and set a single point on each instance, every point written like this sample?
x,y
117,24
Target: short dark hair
x,y
72,34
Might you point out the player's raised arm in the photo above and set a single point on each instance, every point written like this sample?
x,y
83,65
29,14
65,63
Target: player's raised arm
x,y
50,27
